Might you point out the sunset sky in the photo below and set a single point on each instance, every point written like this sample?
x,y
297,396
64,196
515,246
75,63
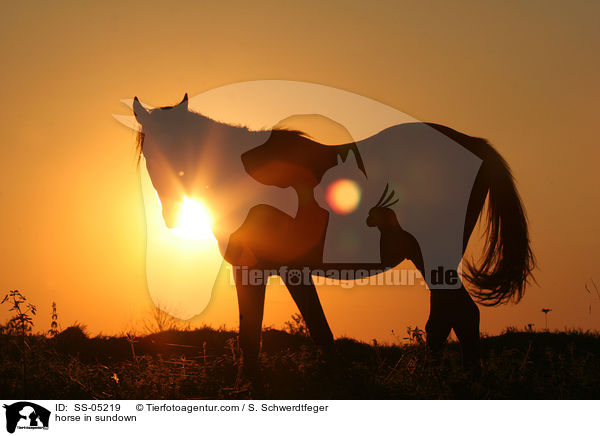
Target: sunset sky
x,y
524,75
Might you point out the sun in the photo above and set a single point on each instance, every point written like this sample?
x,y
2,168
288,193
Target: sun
x,y
194,220
343,196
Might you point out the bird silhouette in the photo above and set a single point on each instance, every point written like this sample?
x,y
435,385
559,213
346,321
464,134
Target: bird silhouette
x,y
395,244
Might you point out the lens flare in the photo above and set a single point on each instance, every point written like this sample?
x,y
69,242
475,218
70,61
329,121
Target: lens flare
x,y
343,196
194,220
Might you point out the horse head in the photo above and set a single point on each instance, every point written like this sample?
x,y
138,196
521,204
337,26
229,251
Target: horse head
x,y
163,143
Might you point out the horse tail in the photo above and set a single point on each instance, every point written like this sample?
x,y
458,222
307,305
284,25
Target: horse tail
x,y
508,260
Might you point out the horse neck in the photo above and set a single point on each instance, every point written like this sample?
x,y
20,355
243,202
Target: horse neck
x,y
230,141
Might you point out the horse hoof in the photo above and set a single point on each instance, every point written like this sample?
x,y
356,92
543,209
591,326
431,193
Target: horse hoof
x,y
250,379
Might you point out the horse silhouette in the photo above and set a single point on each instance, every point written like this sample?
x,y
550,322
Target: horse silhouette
x,y
264,189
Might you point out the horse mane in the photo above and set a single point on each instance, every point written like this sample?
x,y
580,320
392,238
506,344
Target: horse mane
x,y
139,145
195,117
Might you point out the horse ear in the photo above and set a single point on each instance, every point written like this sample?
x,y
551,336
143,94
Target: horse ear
x,y
184,103
141,114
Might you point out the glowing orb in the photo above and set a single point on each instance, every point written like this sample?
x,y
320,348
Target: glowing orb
x,y
343,196
194,220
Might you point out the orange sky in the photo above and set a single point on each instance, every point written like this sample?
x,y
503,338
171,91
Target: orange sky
x,y
523,75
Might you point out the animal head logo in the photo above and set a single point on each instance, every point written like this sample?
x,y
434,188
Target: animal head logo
x,y
26,415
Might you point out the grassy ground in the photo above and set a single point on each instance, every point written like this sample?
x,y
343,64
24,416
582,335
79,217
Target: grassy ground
x,y
203,363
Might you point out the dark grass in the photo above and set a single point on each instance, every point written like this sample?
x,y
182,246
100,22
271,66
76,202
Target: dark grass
x,y
203,363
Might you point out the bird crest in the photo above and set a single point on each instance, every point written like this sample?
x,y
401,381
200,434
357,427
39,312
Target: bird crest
x,y
387,201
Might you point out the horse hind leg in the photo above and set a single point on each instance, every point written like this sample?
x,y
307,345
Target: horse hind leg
x,y
454,309
438,325
466,326
465,312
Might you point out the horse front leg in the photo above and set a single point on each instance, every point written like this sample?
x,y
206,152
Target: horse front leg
x,y
306,298
251,302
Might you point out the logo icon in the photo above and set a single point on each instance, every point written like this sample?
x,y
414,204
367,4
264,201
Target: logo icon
x,y
26,415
